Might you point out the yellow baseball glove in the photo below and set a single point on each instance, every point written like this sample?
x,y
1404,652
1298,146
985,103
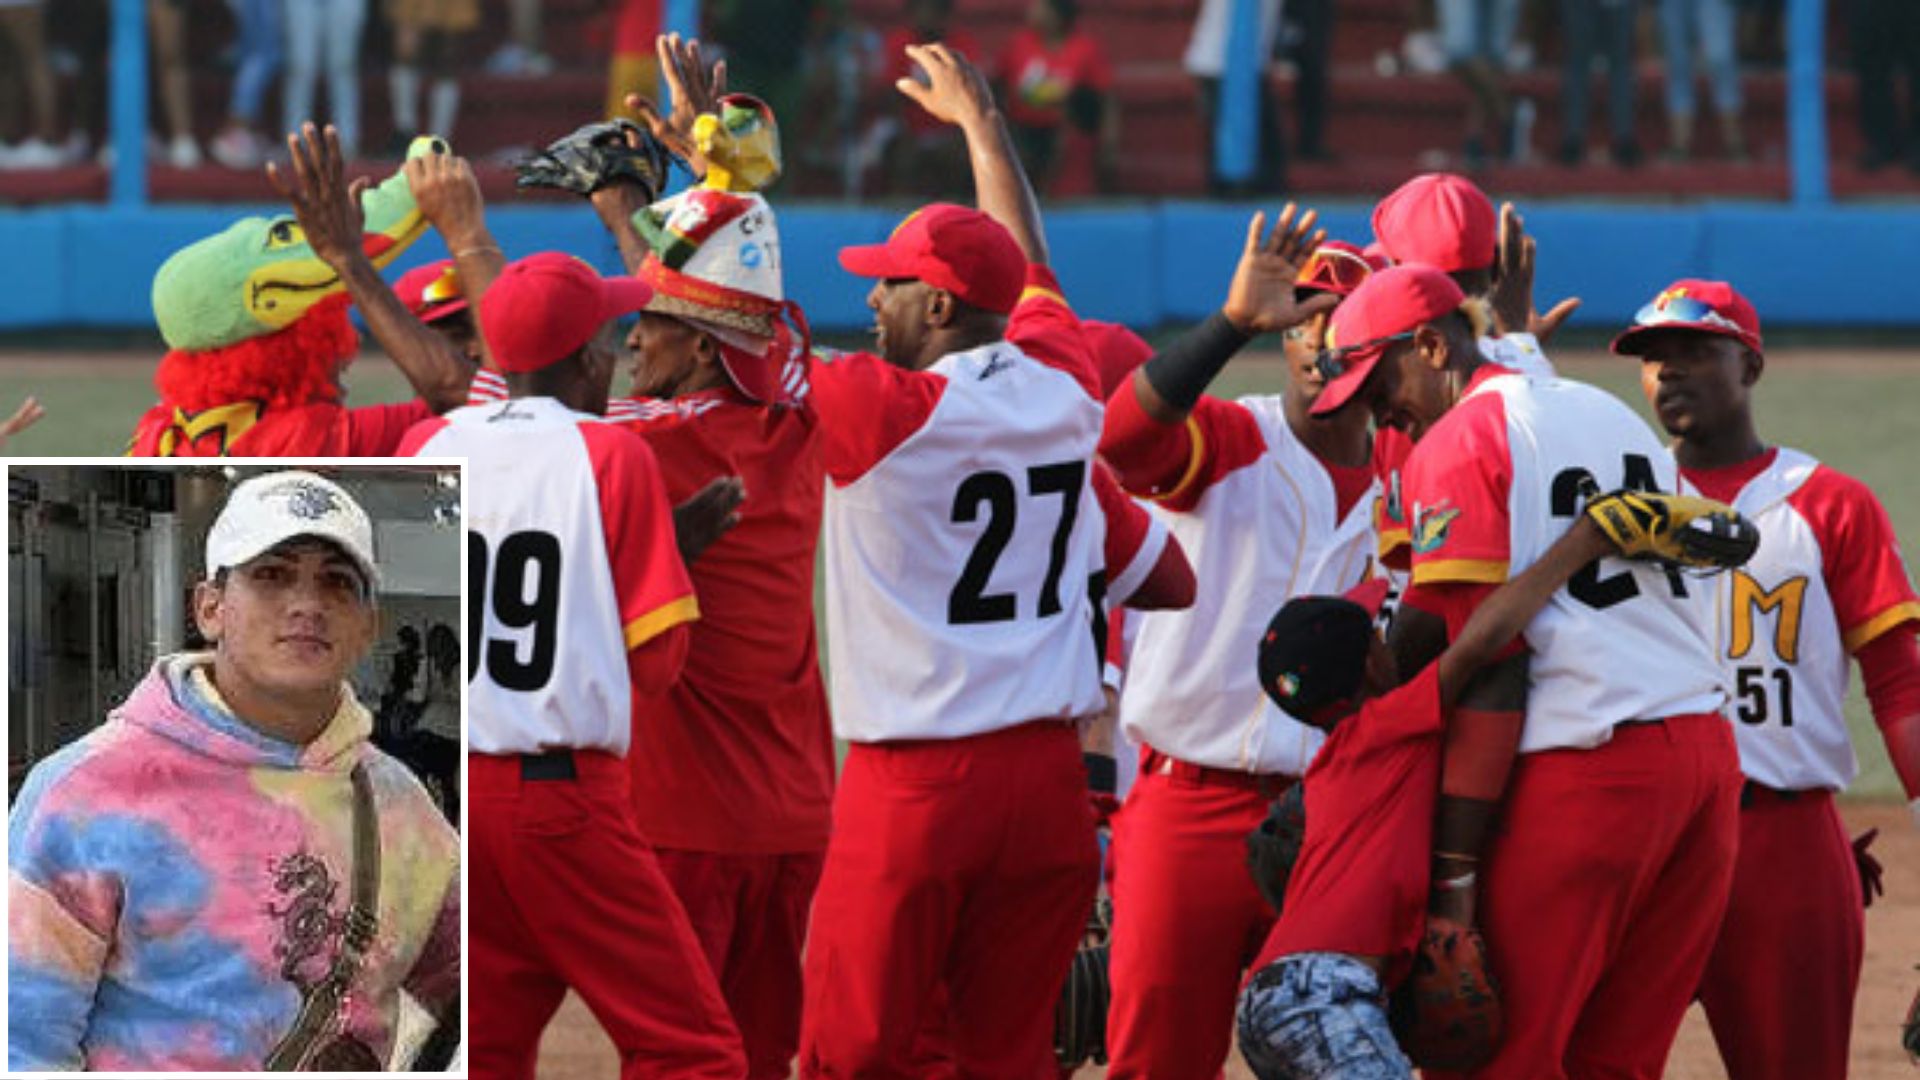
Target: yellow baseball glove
x,y
1680,529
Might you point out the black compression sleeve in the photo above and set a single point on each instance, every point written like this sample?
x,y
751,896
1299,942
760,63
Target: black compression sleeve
x,y
1182,369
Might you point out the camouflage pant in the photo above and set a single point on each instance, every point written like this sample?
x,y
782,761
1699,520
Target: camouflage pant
x,y
1318,1015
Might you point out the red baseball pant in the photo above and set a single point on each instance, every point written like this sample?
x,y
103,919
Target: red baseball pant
x,y
1779,988
1187,920
565,894
1602,893
970,861
749,913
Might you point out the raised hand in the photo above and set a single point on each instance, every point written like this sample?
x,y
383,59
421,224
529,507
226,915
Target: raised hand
x,y
1261,298
448,196
1512,297
697,85
324,203
27,415
955,91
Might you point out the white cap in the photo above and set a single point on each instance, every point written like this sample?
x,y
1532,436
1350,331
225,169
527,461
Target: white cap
x,y
270,509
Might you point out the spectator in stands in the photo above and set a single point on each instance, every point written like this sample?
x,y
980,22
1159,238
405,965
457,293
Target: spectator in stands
x,y
1886,38
925,157
1706,27
1307,31
634,69
521,55
1475,35
325,31
23,36
1604,27
1206,61
426,40
1056,86
827,155
257,25
167,22
763,40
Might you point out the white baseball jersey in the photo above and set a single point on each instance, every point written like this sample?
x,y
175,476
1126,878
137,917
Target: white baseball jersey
x,y
571,562
959,558
1259,518
1493,485
1521,352
1826,580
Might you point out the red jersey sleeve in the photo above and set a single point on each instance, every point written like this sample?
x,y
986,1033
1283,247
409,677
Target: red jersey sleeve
x,y
1454,489
418,435
1175,464
376,430
867,408
1410,711
1859,556
1046,329
649,579
1134,539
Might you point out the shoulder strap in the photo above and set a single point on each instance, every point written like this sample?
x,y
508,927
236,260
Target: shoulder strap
x,y
321,1010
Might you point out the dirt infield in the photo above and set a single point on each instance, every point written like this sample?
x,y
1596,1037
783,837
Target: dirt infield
x,y
576,1049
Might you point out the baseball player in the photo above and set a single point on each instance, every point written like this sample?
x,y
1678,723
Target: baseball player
x,y
431,293
227,875
1268,504
963,852
1601,891
1355,900
1827,584
580,603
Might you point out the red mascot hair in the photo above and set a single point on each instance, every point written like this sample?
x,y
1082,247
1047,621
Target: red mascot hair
x,y
297,365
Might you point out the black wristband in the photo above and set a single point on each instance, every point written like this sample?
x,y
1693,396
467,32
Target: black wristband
x,y
1181,371
1103,773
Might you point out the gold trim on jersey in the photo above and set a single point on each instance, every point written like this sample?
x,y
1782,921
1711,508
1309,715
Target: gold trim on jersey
x,y
1861,636
661,619
1196,455
1032,291
1450,571
1750,601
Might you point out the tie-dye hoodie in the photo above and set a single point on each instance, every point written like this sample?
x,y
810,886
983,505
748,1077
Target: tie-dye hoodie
x,y
176,877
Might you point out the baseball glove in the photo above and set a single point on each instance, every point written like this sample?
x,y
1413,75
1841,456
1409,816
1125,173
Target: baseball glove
x,y
1679,529
1274,847
596,155
1446,1014
1080,1017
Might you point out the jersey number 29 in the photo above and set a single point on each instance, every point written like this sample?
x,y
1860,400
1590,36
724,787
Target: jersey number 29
x,y
499,583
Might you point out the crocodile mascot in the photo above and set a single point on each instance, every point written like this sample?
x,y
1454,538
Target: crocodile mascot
x,y
258,337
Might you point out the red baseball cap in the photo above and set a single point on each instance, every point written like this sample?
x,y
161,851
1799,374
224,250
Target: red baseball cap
x,y
544,307
1116,352
949,247
431,292
1710,307
1438,219
1386,306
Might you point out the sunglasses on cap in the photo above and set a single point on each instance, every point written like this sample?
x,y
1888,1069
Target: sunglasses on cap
x,y
1687,310
443,289
1333,270
1332,363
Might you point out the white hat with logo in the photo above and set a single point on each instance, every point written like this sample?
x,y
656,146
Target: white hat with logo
x,y
268,510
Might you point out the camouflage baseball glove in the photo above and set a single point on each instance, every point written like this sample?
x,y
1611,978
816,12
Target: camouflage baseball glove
x,y
1274,847
1080,1017
1680,529
596,155
1446,1014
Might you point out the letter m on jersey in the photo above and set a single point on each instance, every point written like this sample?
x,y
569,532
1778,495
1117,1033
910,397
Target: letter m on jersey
x,y
1751,601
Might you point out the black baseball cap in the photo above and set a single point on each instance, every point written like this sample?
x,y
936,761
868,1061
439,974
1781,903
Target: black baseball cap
x,y
1314,652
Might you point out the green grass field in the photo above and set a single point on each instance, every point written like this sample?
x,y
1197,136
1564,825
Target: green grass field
x,y
1850,408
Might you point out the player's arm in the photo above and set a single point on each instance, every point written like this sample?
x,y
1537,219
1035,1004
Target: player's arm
x,y
1890,669
1147,569
615,204
650,581
1505,613
328,210
957,93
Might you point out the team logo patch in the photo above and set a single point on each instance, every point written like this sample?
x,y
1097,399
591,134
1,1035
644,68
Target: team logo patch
x,y
1431,525
1287,685
307,501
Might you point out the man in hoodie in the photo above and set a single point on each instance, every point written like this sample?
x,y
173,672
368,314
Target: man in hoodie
x,y
226,875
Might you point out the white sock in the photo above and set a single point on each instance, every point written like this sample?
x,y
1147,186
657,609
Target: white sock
x,y
444,104
403,84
